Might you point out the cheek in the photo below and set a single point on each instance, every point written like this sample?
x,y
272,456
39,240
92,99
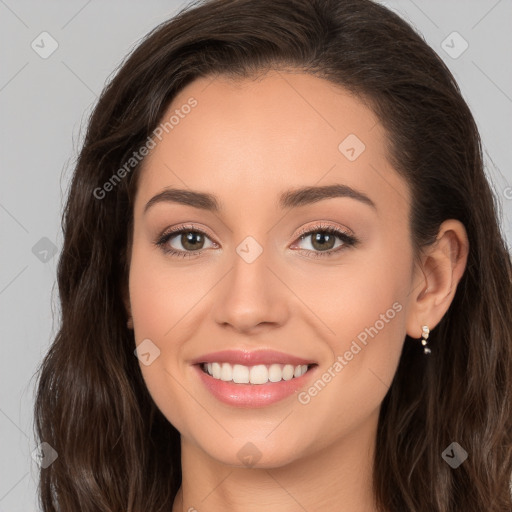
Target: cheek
x,y
366,351
159,295
361,298
365,311
369,336
166,307
157,307
150,302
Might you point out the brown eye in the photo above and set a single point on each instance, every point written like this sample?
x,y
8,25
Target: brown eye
x,y
192,240
183,242
322,241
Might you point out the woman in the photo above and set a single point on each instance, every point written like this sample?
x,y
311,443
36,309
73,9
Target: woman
x,y
280,209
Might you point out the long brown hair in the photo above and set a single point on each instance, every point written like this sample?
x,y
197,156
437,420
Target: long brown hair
x,y
117,452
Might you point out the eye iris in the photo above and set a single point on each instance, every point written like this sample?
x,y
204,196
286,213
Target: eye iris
x,y
188,239
321,238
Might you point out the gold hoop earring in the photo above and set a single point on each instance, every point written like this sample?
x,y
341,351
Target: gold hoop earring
x,y
424,337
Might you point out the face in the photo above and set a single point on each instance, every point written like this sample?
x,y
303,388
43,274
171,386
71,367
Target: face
x,y
324,275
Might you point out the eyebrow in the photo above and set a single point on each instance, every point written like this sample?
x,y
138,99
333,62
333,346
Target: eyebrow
x,y
289,199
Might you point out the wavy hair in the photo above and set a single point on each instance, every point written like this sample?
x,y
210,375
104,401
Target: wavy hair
x,y
117,452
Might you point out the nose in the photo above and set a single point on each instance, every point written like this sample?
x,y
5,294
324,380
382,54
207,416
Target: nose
x,y
251,297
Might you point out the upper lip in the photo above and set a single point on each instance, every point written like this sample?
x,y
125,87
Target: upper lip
x,y
251,358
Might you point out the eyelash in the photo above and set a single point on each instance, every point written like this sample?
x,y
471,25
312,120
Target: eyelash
x,y
348,240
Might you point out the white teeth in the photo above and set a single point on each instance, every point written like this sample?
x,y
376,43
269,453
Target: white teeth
x,y
258,374
275,373
288,372
226,372
215,370
240,374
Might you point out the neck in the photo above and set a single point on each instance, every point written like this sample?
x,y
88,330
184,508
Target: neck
x,y
337,476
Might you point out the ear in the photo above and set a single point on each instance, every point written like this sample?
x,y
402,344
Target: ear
x,y
436,279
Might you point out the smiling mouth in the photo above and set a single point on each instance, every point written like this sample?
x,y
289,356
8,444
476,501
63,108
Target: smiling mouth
x,y
257,374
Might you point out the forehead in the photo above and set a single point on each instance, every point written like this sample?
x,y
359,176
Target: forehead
x,y
248,140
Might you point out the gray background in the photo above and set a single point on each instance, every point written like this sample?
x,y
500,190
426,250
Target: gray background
x,y
44,104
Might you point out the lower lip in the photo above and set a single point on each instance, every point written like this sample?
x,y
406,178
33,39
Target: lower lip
x,y
253,395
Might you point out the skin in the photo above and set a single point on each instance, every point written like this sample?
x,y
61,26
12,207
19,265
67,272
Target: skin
x,y
246,142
